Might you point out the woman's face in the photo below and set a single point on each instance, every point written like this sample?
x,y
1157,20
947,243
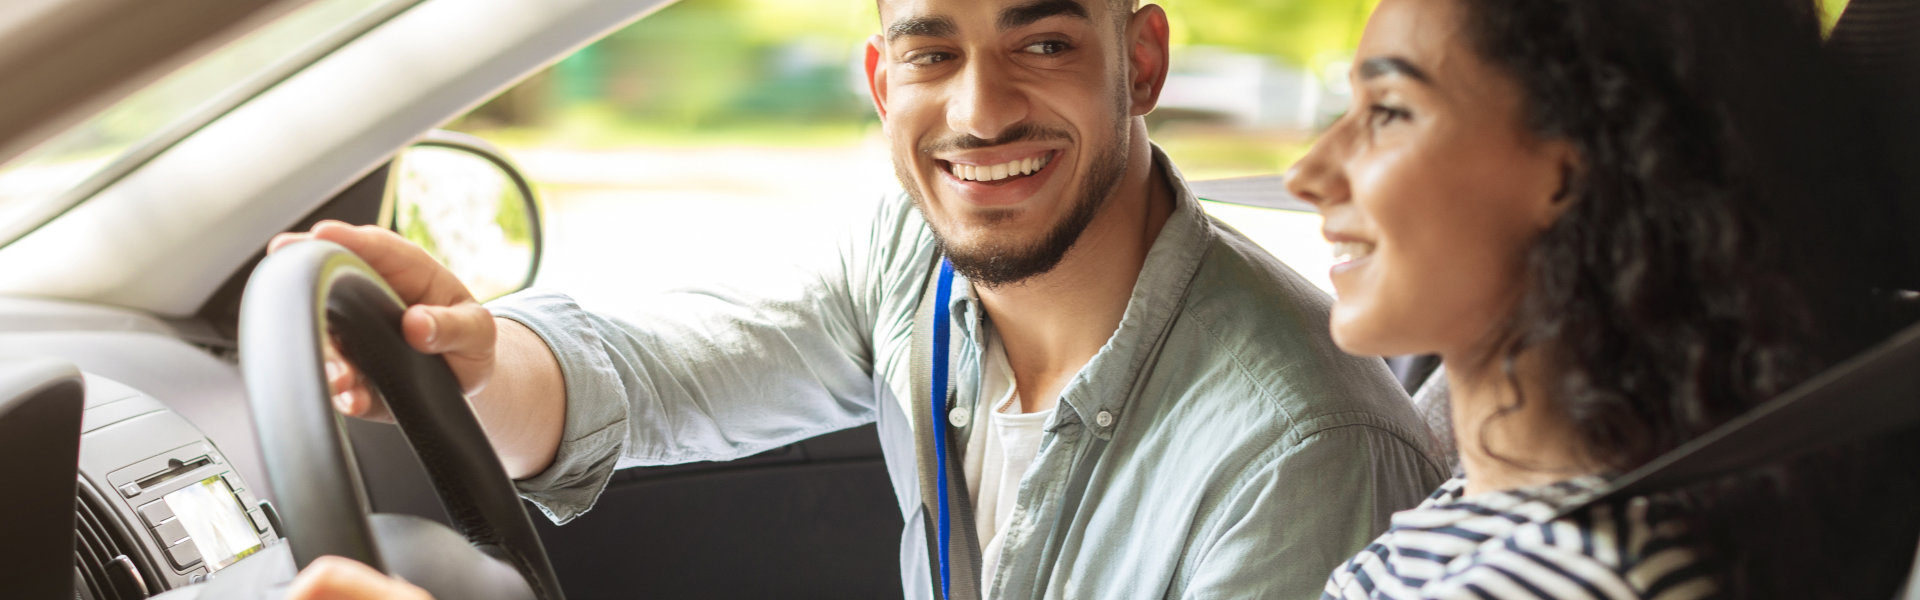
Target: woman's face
x,y
1430,188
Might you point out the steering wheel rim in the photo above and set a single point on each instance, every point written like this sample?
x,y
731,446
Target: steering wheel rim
x,y
290,302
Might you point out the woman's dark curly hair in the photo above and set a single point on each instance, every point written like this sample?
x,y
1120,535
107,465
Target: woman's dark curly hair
x,y
1715,252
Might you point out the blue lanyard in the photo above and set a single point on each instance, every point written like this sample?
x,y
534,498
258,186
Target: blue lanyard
x,y
942,332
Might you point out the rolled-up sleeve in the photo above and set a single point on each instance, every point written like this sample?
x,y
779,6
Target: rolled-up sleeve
x,y
703,376
716,373
596,418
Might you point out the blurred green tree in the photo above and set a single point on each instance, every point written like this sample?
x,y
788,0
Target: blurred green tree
x,y
1303,32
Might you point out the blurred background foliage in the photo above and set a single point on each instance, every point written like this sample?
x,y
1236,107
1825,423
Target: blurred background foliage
x,y
780,72
787,73
1302,32
720,133
751,117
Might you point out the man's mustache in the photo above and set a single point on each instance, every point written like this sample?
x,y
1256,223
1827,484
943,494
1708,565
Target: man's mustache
x,y
1024,132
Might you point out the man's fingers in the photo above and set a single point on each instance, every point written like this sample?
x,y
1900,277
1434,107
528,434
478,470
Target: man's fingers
x,y
463,333
342,379
350,395
343,401
283,239
336,578
463,328
340,375
361,402
442,317
414,274
352,402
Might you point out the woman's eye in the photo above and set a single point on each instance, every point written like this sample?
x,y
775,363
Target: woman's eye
x,y
1046,48
1380,115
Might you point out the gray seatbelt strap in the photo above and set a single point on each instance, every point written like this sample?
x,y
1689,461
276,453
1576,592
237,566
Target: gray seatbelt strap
x,y
1913,581
963,551
1872,394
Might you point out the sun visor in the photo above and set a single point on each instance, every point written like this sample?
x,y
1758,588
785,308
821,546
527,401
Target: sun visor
x,y
61,62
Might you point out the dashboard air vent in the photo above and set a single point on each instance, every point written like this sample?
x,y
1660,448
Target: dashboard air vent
x,y
107,562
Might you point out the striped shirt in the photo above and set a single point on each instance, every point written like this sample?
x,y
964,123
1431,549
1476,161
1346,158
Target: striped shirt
x,y
1508,544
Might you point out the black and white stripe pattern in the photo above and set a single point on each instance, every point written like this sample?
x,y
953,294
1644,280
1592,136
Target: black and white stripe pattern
x,y
1509,545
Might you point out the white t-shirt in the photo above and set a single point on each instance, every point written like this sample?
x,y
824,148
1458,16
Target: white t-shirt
x,y
1002,446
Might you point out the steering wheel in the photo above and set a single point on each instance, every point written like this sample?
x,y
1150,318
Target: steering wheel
x,y
293,298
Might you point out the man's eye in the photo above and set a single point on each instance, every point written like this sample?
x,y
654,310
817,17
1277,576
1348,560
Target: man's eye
x,y
1047,48
923,59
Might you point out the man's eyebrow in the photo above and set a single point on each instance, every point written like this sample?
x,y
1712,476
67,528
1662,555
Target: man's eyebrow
x,y
921,27
1032,12
1374,68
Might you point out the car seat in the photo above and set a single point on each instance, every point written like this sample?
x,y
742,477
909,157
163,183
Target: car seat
x,y
1872,394
1878,41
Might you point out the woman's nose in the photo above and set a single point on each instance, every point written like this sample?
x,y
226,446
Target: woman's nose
x,y
1317,178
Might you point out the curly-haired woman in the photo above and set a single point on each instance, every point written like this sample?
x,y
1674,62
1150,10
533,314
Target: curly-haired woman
x,y
1621,223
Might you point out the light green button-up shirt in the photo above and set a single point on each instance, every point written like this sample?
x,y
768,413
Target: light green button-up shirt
x,y
1245,455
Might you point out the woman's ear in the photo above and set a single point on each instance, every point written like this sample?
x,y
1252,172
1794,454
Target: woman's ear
x,y
1567,183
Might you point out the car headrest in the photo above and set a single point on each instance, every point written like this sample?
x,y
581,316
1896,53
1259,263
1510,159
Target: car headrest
x,y
1876,43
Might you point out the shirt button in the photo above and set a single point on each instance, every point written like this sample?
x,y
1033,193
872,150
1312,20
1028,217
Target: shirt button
x,y
960,416
1104,419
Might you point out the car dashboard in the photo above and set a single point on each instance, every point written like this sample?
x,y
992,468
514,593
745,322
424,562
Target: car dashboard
x,y
157,497
167,490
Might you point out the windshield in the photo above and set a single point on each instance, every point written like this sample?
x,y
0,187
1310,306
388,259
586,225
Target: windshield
x,y
38,185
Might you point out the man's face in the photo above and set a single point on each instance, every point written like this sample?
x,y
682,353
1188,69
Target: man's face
x,y
1009,122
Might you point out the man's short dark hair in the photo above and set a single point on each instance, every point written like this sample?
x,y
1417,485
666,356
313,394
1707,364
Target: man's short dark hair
x,y
1124,7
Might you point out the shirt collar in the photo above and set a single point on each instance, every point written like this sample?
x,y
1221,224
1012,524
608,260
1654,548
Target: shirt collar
x,y
1108,382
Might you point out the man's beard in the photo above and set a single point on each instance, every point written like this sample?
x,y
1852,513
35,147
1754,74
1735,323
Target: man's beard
x,y
994,264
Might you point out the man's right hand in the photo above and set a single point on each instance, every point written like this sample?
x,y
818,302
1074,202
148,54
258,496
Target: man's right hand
x,y
524,413
442,316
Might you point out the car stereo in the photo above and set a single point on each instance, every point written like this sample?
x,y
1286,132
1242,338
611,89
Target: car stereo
x,y
162,494
214,520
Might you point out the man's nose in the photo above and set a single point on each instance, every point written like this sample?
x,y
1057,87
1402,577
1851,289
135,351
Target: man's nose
x,y
985,103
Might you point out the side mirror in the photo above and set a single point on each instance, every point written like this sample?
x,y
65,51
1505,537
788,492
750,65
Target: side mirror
x,y
461,198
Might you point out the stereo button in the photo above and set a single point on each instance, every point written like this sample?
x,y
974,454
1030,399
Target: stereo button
x,y
170,532
155,512
184,554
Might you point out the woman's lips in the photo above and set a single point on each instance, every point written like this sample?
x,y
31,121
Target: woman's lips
x,y
1349,251
1348,255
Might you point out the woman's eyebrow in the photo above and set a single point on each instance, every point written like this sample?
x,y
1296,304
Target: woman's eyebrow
x,y
1375,68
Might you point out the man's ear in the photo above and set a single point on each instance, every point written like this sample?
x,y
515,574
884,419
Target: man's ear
x,y
1148,57
876,76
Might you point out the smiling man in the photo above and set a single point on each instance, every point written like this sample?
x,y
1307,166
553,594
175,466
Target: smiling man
x,y
1084,387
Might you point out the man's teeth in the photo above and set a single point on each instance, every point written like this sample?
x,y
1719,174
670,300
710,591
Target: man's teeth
x,y
1344,252
1025,166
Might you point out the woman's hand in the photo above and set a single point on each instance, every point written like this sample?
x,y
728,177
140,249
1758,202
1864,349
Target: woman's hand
x,y
336,578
